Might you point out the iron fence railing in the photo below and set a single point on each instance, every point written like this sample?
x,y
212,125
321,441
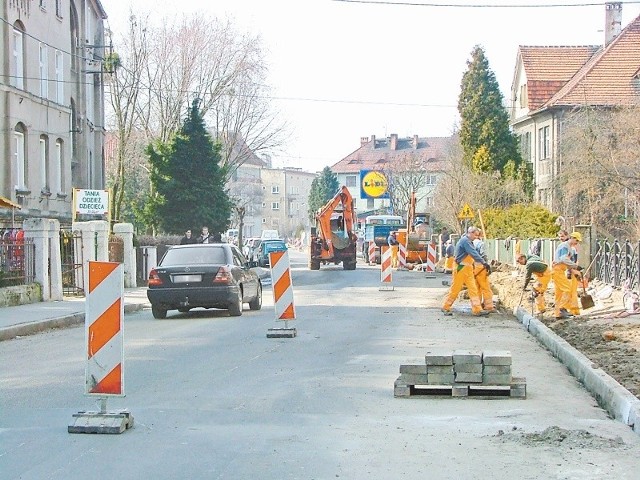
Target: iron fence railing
x,y
17,261
617,262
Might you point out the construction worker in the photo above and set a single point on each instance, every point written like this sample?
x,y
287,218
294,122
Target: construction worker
x,y
481,275
449,252
392,241
574,306
536,267
564,268
466,256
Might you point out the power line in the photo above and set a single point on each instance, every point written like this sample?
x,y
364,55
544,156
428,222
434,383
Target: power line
x,y
484,5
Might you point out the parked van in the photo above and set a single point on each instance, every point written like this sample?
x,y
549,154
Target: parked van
x,y
232,236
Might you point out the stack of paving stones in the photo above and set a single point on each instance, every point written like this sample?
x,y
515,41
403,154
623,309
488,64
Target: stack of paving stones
x,y
461,373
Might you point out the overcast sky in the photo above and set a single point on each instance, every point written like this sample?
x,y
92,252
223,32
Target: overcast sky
x,y
344,70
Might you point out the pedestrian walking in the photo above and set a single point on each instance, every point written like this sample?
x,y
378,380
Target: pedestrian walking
x,y
466,256
205,236
449,262
188,239
535,267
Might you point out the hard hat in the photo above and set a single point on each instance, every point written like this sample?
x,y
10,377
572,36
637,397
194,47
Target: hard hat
x,y
576,235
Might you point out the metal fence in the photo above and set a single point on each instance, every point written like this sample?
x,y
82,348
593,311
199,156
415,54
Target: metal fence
x,y
72,259
17,260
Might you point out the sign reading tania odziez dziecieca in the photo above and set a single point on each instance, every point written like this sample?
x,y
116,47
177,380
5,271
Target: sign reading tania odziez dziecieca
x,y
91,202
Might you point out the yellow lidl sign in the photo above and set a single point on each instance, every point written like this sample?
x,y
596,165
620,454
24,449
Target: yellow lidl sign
x,y
465,212
373,184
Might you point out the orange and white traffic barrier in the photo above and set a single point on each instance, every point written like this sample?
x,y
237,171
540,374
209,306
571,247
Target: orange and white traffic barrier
x,y
282,288
104,313
385,268
402,256
431,258
371,252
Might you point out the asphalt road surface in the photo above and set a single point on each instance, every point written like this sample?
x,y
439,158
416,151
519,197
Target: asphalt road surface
x,y
214,398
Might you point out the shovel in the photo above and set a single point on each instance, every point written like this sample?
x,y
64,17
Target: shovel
x,y
586,300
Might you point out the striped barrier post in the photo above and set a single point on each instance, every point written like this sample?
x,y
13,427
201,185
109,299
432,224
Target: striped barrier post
x,y
282,294
385,269
104,371
402,256
431,259
371,253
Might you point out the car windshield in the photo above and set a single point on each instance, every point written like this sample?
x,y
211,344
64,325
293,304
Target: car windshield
x,y
270,246
195,256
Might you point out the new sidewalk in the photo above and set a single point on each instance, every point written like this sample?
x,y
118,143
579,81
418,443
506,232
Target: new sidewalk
x,y
36,317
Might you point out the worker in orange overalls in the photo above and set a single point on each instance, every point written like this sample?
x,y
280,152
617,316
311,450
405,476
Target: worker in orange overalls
x,y
466,258
392,241
564,268
536,268
449,251
481,275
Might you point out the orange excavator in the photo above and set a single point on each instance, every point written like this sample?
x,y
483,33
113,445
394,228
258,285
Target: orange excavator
x,y
333,239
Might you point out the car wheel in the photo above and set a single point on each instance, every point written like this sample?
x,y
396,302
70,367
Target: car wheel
x,y
235,309
256,303
158,312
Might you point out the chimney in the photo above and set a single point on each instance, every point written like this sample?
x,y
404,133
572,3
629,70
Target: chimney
x,y
364,141
415,142
373,141
393,141
613,21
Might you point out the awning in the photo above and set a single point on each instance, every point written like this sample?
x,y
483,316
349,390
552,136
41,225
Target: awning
x,y
5,202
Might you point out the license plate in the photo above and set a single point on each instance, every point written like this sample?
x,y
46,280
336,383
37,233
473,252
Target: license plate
x,y
187,278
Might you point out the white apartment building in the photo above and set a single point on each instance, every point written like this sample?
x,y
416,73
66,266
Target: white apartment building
x,y
51,104
284,204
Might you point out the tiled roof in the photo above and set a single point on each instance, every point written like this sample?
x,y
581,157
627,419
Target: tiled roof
x,y
430,150
549,68
609,77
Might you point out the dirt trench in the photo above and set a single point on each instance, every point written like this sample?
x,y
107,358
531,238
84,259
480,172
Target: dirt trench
x,y
606,334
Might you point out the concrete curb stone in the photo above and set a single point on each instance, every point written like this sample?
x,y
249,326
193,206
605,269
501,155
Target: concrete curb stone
x,y
613,397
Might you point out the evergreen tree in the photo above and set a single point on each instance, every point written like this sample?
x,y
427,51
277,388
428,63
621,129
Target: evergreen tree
x,y
487,142
323,188
187,180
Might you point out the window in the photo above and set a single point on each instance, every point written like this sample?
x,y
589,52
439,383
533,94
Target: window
x,y
544,143
524,100
59,59
59,8
525,146
431,179
44,74
57,168
294,190
275,189
275,206
19,158
264,220
44,163
264,205
43,4
17,70
429,201
351,180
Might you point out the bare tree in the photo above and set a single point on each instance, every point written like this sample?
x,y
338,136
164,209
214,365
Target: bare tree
x,y
599,179
207,58
405,175
124,79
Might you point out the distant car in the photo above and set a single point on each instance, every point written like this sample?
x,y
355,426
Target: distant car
x,y
249,249
213,275
267,246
